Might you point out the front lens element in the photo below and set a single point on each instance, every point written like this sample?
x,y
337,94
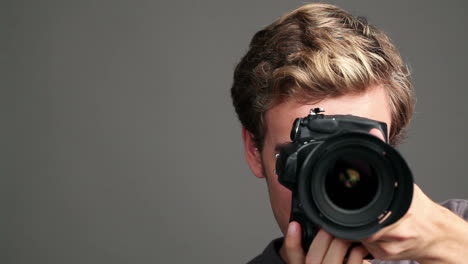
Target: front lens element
x,y
351,183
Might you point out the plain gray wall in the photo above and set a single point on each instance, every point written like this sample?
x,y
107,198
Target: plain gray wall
x,y
120,144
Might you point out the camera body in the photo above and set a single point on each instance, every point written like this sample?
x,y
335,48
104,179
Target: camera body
x,y
343,179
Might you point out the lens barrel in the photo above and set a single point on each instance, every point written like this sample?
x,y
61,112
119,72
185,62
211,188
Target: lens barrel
x,y
354,184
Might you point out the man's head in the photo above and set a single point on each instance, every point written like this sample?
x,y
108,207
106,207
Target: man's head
x,y
315,56
315,52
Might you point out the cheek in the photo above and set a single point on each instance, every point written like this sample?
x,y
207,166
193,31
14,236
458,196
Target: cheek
x,y
281,203
280,196
280,199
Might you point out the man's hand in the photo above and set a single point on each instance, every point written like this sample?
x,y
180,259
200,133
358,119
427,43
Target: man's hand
x,y
324,249
428,233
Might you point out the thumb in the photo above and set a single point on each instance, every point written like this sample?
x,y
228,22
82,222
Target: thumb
x,y
292,244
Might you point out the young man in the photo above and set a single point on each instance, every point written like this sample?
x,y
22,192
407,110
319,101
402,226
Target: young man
x,y
321,56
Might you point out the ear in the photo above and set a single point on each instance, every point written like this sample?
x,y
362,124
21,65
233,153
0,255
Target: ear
x,y
252,154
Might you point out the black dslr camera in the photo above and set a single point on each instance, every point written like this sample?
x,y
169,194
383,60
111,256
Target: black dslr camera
x,y
343,179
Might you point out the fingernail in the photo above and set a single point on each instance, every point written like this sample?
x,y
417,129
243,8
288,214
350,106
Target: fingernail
x,y
292,228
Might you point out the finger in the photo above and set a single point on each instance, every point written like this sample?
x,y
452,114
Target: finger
x,y
292,244
337,251
404,227
319,247
378,134
357,255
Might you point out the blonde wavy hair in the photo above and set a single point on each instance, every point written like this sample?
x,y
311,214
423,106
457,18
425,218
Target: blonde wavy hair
x,y
315,52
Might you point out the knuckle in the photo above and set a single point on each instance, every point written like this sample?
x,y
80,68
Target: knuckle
x,y
289,244
391,250
310,259
340,244
388,252
323,235
356,255
358,251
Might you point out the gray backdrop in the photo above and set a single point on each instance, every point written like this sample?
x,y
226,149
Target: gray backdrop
x,y
120,144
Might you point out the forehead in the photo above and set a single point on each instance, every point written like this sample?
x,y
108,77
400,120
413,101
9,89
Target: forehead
x,y
372,104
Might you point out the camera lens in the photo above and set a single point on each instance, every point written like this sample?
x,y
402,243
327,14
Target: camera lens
x,y
347,182
351,183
